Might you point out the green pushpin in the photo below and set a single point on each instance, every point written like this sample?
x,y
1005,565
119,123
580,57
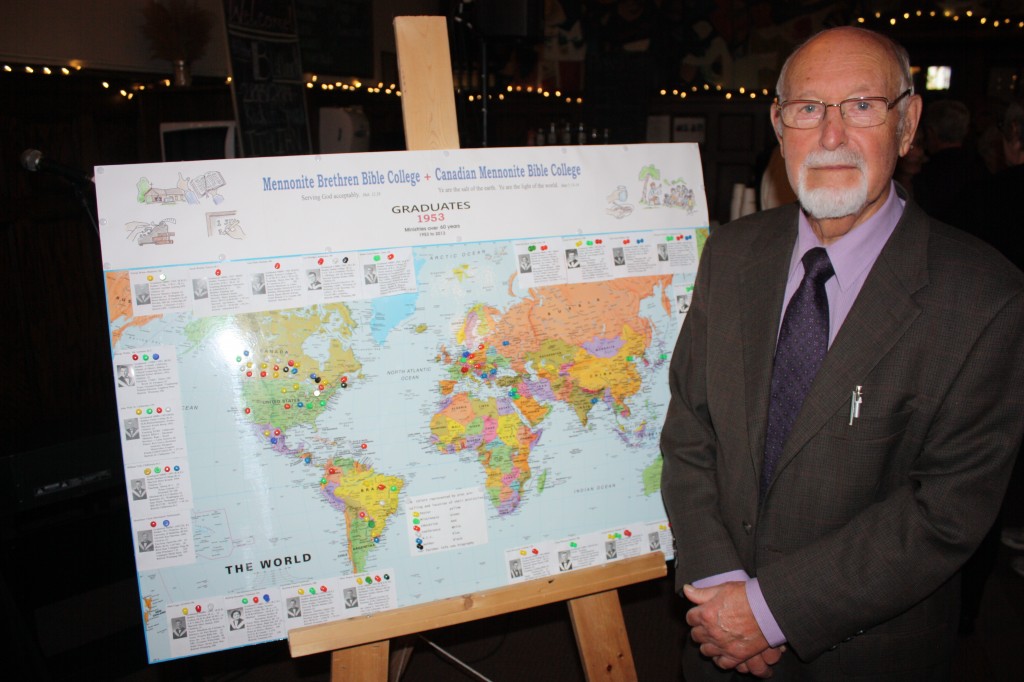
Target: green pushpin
x,y
629,358
245,600
371,523
572,544
323,481
668,239
145,357
376,258
394,488
149,410
664,356
531,248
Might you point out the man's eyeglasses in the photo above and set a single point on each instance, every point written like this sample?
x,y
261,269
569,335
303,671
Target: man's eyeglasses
x,y
859,112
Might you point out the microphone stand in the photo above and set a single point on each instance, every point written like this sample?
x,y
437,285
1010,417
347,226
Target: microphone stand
x,y
83,198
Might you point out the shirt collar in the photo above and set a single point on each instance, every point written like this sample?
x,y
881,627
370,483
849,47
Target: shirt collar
x,y
858,249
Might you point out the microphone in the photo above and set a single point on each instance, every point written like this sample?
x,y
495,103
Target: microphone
x,y
33,160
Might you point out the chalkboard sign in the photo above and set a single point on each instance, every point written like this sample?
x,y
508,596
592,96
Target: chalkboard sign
x,y
275,17
336,37
267,77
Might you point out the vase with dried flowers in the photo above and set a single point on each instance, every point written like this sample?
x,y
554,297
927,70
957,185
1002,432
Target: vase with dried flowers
x,y
178,31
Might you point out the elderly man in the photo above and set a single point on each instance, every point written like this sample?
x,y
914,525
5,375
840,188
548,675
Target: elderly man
x,y
846,399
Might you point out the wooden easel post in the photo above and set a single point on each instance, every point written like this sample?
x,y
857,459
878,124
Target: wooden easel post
x,y
360,647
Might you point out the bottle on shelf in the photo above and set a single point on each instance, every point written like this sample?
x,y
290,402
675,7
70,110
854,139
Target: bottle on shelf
x,y
566,138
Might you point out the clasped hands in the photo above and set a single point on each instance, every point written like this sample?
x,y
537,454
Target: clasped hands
x,y
724,626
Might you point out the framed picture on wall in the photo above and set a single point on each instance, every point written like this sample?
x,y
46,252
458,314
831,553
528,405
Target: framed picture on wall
x,y
689,129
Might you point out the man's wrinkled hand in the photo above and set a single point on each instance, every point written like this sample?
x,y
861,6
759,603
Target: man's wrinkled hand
x,y
724,626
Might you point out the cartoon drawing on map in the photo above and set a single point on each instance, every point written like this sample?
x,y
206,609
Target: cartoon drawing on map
x,y
150,233
186,190
617,203
665,193
224,223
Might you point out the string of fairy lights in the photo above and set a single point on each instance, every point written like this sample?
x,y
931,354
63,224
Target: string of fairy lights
x,y
877,20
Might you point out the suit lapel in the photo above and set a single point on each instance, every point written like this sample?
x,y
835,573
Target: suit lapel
x,y
883,311
763,281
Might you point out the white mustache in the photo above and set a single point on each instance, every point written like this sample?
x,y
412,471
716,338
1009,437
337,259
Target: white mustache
x,y
834,157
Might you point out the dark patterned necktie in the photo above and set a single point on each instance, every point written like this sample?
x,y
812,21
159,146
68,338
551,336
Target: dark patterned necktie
x,y
803,342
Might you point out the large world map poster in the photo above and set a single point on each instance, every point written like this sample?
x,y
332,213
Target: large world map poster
x,y
354,383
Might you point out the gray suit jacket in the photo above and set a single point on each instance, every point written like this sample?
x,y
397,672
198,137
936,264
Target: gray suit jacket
x,y
864,527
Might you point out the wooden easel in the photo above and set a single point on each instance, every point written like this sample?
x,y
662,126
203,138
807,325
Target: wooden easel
x,y
360,646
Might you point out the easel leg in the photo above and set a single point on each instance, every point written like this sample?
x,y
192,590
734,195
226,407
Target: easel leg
x,y
601,637
401,652
368,663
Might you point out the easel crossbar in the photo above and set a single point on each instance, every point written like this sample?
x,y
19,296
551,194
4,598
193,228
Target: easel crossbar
x,y
455,610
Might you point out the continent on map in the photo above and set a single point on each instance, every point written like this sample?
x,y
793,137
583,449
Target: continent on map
x,y
366,498
281,386
577,345
501,440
